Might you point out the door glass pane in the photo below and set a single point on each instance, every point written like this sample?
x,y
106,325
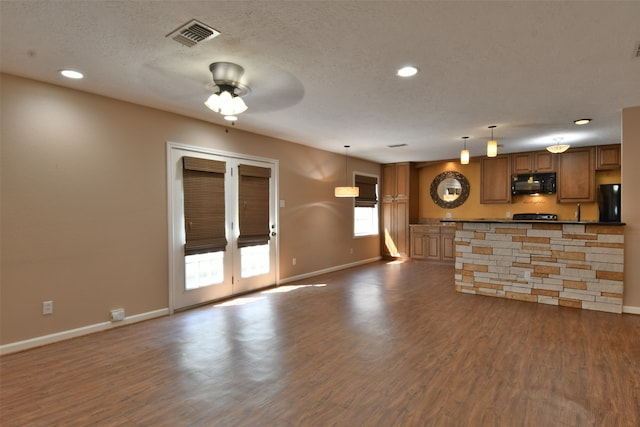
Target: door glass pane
x,y
254,260
203,270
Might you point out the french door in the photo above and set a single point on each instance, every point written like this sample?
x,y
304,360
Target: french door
x,y
244,258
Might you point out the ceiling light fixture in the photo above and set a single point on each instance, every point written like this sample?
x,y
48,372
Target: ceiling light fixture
x,y
558,148
227,100
347,191
407,71
581,122
464,154
492,145
72,74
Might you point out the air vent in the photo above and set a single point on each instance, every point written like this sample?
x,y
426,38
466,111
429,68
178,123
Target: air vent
x,y
397,145
192,33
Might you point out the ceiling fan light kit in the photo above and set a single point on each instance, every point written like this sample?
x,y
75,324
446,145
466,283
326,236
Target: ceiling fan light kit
x,y
228,100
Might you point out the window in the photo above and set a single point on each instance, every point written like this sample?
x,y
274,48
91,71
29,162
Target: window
x,y
365,212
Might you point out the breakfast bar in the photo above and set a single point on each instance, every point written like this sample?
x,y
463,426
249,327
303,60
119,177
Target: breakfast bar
x,y
567,263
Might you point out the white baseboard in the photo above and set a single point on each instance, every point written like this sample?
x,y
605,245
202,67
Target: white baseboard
x,y
85,330
327,270
630,309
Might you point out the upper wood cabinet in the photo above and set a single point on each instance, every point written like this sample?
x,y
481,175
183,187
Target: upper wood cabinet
x,y
495,179
398,180
608,157
576,178
533,162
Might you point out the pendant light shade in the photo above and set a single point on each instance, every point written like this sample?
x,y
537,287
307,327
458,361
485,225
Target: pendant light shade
x,y
226,104
346,191
464,154
492,145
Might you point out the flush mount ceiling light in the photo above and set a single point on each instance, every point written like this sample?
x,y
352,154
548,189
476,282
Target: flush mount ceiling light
x,y
347,191
558,148
228,98
72,74
492,145
581,122
407,71
464,154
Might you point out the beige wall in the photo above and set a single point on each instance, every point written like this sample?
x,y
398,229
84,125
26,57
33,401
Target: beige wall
x,y
631,204
84,205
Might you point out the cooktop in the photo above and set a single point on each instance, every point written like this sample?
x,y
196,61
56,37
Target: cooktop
x,y
535,217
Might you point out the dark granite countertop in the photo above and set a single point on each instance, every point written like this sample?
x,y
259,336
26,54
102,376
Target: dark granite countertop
x,y
513,221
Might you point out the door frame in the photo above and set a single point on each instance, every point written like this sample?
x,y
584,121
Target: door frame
x,y
171,200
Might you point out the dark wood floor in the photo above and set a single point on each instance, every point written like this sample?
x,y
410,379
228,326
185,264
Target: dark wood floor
x,y
378,345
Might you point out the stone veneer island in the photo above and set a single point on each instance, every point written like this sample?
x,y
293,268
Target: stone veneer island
x,y
573,264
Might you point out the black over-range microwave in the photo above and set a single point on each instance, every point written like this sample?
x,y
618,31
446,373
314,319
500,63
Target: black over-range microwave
x,y
533,183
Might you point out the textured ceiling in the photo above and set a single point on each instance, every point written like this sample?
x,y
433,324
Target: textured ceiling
x,y
322,73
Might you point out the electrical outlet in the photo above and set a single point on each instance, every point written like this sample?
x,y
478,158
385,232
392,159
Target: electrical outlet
x,y
47,307
351,251
293,261
527,275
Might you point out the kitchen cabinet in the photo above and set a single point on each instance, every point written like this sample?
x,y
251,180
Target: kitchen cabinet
x,y
533,162
576,178
608,157
433,243
495,179
399,207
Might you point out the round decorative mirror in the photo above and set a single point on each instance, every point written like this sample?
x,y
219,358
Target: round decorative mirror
x,y
449,189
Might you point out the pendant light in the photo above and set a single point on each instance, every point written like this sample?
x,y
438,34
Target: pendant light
x,y
492,145
558,148
464,154
347,191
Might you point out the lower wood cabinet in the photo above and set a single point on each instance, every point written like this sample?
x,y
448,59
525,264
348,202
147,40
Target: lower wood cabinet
x,y
433,242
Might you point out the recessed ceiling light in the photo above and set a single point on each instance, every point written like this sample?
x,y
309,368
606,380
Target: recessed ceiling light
x,y
71,74
407,71
231,118
581,121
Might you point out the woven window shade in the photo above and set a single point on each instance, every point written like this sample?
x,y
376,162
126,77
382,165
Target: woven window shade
x,y
204,205
253,204
367,197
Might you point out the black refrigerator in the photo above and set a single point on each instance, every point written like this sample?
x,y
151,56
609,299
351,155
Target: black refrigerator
x,y
609,203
